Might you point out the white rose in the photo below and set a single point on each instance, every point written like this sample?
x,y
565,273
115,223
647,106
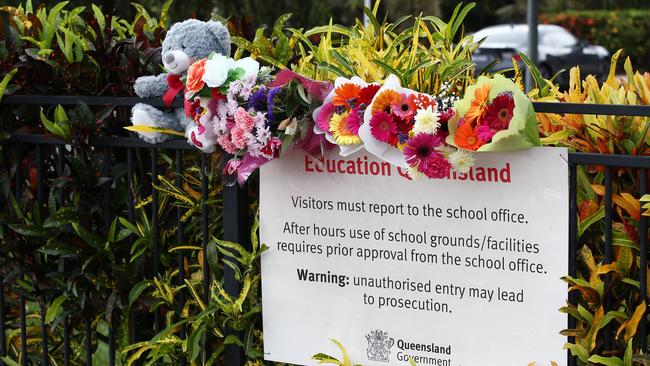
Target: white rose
x,y
250,67
216,70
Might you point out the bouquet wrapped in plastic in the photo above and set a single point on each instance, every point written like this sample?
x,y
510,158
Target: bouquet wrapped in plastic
x,y
494,115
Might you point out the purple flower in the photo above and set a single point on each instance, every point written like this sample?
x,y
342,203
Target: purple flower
x,y
258,98
271,103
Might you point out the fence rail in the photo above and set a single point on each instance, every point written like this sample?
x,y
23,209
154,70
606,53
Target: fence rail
x,y
235,210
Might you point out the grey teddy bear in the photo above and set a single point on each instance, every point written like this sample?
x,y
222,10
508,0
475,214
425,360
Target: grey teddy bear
x,y
185,43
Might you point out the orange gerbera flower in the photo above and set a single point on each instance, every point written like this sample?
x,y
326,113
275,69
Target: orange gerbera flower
x,y
384,100
346,95
467,138
479,104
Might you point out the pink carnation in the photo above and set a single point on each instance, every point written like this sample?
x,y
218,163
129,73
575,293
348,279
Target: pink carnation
x,y
238,136
226,144
243,120
437,167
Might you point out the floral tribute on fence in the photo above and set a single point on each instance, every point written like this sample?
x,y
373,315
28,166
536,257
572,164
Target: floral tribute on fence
x,y
255,114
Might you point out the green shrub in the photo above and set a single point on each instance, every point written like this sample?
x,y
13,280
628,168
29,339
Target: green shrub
x,y
626,29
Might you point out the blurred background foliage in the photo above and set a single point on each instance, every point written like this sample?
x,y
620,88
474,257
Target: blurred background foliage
x,y
308,13
592,20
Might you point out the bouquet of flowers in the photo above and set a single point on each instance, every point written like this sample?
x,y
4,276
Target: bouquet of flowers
x,y
494,115
238,107
408,129
341,114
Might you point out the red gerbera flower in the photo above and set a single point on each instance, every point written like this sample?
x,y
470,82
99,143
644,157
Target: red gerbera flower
x,y
366,94
500,111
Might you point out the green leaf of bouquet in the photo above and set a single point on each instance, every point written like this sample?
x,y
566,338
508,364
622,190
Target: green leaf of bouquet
x,y
236,73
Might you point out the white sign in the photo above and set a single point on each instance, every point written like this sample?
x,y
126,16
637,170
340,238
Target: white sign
x,y
462,271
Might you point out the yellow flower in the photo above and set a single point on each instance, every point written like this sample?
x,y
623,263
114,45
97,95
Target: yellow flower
x,y
340,130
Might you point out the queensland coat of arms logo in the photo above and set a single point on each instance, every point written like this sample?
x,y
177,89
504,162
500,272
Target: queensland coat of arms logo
x,y
379,344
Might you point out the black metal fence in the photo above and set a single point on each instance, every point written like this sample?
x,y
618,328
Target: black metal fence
x,y
235,213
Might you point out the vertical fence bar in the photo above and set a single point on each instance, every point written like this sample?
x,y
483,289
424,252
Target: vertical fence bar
x,y
111,341
130,192
107,188
643,265
23,321
88,340
131,215
180,237
40,185
205,234
154,228
204,227
44,355
40,191
66,341
608,252
60,171
107,224
235,229
23,328
3,349
573,248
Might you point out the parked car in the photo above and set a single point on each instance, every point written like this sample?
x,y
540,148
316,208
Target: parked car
x,y
557,49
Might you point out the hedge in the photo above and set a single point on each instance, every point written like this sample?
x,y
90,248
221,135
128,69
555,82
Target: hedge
x,y
624,29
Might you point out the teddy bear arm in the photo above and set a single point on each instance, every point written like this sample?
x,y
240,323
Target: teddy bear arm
x,y
151,86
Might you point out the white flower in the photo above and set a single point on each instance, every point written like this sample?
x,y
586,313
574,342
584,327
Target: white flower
x,y
414,173
263,135
216,70
445,150
461,161
250,67
426,121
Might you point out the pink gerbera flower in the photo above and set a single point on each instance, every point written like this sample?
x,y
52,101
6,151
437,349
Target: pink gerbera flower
x,y
420,149
404,108
485,133
383,128
355,119
324,116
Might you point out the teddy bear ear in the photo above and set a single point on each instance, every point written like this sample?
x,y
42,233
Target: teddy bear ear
x,y
222,35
